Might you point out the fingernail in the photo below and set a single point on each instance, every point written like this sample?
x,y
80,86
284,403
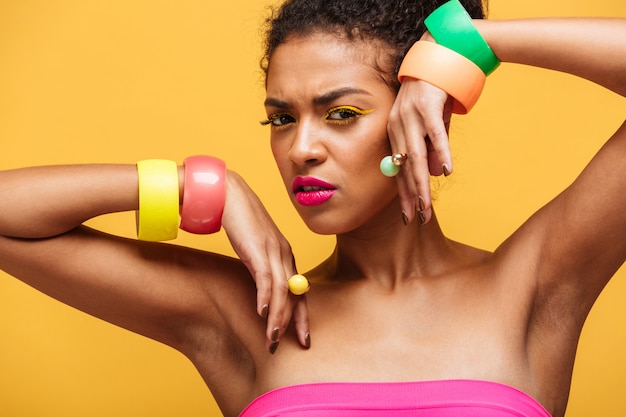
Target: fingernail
x,y
422,217
275,333
307,340
405,218
264,311
446,170
420,210
273,347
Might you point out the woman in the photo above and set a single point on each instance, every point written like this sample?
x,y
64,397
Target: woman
x,y
489,321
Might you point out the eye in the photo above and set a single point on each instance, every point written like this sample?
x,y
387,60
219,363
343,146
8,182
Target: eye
x,y
278,120
345,114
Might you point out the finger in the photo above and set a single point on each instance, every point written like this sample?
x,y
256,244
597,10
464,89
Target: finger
x,y
405,193
434,165
296,308
395,131
283,266
301,320
262,276
275,323
415,171
436,122
417,168
263,293
406,136
261,272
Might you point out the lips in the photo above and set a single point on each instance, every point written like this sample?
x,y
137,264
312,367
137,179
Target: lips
x,y
311,191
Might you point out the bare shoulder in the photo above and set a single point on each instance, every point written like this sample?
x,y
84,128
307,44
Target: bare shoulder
x,y
200,303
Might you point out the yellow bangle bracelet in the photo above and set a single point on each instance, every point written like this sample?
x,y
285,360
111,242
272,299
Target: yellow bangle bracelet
x,y
157,217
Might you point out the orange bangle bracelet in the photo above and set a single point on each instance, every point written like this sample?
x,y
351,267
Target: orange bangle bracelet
x,y
446,69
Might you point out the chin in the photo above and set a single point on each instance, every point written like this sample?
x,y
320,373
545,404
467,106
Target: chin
x,y
326,224
321,228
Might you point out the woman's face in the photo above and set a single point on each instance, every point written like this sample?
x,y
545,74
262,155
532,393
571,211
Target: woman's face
x,y
327,108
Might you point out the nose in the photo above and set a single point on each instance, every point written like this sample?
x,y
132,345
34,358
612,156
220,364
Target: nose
x,y
308,147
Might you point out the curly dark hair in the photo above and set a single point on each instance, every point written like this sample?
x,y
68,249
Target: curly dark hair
x,y
396,23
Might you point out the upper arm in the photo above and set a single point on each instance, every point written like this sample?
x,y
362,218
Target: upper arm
x,y
574,244
586,224
157,290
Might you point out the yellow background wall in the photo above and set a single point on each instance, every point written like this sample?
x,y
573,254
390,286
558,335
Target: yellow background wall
x,y
118,81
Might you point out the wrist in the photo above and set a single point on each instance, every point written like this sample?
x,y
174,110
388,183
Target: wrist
x,y
204,194
485,28
459,77
158,189
452,55
451,26
190,197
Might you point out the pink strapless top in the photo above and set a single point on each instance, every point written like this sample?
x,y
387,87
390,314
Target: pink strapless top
x,y
445,398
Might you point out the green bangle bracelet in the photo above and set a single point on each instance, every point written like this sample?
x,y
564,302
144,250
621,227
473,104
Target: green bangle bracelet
x,y
451,26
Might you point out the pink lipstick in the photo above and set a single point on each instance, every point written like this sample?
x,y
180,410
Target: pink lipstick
x,y
311,191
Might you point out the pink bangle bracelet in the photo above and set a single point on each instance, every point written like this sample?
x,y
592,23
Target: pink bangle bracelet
x,y
446,69
204,194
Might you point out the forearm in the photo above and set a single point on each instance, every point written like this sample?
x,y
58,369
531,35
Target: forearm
x,y
46,201
592,48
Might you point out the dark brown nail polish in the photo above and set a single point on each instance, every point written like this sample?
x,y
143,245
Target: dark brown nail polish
x,y
405,219
273,347
422,217
307,340
275,334
264,311
420,210
446,171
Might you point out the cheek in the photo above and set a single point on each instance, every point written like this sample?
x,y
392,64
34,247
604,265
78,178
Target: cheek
x,y
364,164
276,151
280,148
280,156
377,144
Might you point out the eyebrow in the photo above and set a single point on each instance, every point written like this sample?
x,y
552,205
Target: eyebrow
x,y
319,100
335,94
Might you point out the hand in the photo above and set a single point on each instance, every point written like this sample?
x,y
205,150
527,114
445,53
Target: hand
x,y
268,256
418,126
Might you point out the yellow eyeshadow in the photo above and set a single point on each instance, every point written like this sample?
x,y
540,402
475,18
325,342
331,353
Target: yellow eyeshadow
x,y
348,109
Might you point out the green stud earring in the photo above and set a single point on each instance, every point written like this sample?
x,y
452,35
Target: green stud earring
x,y
390,165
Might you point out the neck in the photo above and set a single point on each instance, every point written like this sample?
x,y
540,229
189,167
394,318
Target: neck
x,y
394,254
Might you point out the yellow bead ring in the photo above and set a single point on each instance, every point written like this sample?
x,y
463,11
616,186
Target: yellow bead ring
x,y
298,284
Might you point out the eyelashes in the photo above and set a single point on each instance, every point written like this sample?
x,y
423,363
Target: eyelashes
x,y
336,115
278,120
345,113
